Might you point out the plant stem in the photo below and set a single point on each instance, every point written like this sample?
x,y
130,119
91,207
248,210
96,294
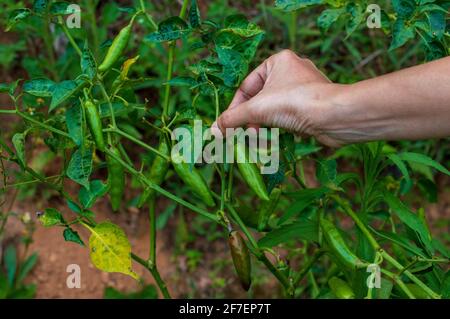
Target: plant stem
x,y
69,36
399,282
170,58
155,273
152,220
148,16
32,120
133,139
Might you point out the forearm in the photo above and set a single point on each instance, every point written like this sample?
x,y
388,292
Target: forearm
x,y
410,104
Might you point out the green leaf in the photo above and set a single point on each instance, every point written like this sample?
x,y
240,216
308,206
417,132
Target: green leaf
x,y
404,8
169,30
39,87
249,46
445,286
4,87
71,235
110,249
148,292
16,16
303,199
440,247
234,66
80,166
64,90
87,197
401,241
60,8
51,217
18,141
291,5
302,229
424,160
10,260
27,266
74,122
437,23
401,33
326,172
385,289
194,15
40,6
183,81
357,16
88,64
328,17
409,218
73,206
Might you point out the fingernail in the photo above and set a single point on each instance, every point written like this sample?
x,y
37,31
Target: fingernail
x,y
215,130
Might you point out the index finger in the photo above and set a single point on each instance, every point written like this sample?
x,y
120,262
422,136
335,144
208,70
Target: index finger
x,y
251,86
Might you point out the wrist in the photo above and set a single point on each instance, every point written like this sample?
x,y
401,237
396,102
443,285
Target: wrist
x,y
345,116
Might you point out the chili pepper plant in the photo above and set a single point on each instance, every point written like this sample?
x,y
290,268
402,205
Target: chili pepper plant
x,y
317,240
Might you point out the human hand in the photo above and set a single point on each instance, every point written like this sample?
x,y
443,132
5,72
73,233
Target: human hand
x,y
285,91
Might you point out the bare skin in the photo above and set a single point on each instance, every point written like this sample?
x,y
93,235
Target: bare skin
x,y
289,92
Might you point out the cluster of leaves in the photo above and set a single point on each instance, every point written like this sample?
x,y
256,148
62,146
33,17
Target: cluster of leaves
x,y
403,20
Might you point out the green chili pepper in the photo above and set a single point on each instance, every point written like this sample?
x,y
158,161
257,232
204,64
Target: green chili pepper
x,y
116,49
267,208
157,173
191,177
341,289
116,179
250,173
241,258
338,246
95,124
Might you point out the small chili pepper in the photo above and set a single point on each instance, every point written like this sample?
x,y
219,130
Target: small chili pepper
x,y
338,246
341,289
95,124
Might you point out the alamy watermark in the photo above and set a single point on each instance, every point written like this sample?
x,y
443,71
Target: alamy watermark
x,y
374,279
262,146
374,19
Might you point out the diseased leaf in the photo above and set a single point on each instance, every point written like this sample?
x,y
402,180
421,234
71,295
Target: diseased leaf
x,y
194,15
239,25
40,6
64,90
74,122
424,160
169,30
401,33
16,16
302,229
73,236
88,64
291,5
234,66
51,217
39,87
356,17
80,166
404,8
110,249
328,17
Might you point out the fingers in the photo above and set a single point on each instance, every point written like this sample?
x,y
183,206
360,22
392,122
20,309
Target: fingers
x,y
251,86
